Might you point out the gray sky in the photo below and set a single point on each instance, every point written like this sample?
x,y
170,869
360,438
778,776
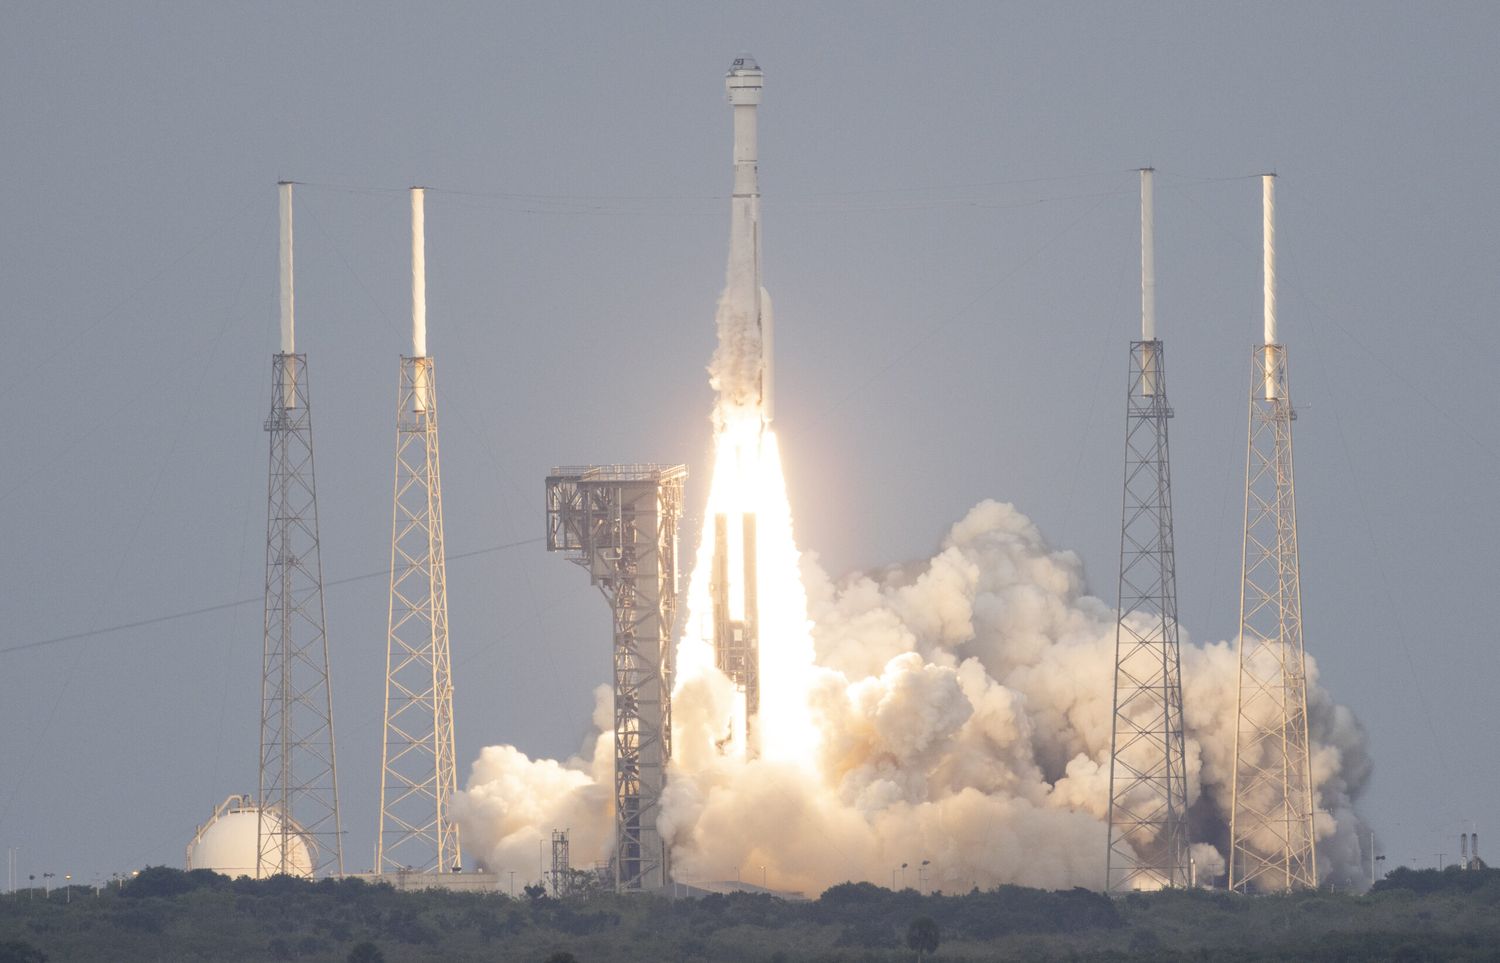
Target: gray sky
x,y
951,238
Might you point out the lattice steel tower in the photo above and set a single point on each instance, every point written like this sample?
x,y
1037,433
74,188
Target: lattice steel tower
x,y
298,832
562,864
1272,844
620,523
418,774
1148,844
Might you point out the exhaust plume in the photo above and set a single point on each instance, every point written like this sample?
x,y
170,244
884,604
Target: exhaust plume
x,y
963,706
955,711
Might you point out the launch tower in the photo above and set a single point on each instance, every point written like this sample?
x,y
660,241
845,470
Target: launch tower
x,y
418,774
562,863
298,830
620,523
1148,844
1272,844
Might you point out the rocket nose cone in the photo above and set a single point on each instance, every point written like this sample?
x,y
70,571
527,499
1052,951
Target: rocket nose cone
x,y
744,64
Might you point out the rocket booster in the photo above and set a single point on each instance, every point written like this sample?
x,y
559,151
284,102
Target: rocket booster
x,y
744,82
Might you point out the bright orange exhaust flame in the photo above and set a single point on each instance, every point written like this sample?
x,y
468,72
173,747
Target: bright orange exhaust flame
x,y
747,478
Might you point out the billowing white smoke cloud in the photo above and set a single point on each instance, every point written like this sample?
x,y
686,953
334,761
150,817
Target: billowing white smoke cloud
x,y
513,801
964,707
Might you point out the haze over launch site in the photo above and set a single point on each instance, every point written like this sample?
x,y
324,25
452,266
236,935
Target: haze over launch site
x,y
897,639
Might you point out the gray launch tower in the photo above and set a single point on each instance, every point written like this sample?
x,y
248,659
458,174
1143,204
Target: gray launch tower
x,y
418,773
298,801
1148,844
1272,842
620,523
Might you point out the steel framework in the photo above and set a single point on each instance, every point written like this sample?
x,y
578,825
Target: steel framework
x,y
620,523
299,831
418,773
1272,845
1148,844
562,862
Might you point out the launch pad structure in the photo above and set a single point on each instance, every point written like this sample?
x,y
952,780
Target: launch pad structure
x,y
419,776
562,862
1148,842
620,523
298,830
1272,838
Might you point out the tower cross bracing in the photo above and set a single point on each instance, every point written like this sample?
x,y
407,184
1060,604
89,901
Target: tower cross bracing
x,y
418,771
1148,842
1272,842
299,832
620,523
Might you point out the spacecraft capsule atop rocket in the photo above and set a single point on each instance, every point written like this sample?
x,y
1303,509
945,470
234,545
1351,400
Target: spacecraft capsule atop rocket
x,y
743,84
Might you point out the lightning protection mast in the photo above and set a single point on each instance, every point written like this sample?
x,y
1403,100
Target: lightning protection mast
x,y
298,830
1148,844
1272,845
418,775
620,523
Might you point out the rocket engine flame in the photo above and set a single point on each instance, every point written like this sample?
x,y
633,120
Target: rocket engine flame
x,y
746,608
961,705
748,482
955,710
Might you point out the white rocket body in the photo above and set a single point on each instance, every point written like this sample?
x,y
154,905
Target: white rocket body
x,y
744,82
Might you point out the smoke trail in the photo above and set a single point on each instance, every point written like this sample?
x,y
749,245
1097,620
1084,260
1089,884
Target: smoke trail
x,y
734,371
964,708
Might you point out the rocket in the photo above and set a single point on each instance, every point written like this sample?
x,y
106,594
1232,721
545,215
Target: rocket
x,y
743,83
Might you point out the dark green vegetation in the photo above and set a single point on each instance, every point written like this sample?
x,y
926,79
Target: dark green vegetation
x,y
923,936
168,915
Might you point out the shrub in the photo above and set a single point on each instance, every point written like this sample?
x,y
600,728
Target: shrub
x,y
366,952
922,936
159,881
19,951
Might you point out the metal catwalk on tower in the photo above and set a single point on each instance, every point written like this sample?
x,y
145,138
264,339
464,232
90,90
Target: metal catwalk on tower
x,y
419,777
620,523
298,832
1148,844
1272,843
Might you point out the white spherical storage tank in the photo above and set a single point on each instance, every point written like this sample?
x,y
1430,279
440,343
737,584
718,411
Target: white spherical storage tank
x,y
227,843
